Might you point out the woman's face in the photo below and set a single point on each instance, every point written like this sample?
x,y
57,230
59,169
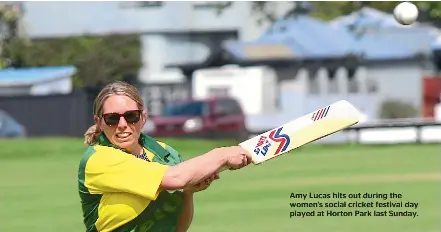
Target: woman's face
x,y
122,131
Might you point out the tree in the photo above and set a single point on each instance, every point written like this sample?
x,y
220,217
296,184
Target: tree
x,y
99,59
10,15
395,109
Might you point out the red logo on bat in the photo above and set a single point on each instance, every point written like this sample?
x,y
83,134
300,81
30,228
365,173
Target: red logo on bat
x,y
321,113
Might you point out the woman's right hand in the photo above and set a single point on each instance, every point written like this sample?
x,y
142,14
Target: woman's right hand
x,y
236,157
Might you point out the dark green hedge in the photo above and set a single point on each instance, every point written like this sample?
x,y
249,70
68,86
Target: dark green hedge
x,y
98,59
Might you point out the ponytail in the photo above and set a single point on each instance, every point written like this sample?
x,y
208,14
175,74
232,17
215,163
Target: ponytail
x,y
91,135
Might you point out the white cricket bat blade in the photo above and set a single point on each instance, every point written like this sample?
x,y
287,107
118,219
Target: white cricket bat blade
x,y
301,131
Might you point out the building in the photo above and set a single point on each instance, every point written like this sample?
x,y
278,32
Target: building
x,y
327,63
422,38
36,81
189,35
171,32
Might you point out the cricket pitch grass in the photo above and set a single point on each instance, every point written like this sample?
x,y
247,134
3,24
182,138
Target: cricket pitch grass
x,y
38,182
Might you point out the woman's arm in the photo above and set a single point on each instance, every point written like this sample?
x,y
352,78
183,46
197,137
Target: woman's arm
x,y
193,171
187,213
111,170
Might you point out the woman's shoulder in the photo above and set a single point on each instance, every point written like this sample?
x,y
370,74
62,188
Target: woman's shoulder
x,y
98,149
100,152
173,152
167,147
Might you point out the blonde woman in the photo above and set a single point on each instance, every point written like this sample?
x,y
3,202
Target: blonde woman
x,y
128,180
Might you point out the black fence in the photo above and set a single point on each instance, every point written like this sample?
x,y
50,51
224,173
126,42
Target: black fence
x,y
71,114
52,115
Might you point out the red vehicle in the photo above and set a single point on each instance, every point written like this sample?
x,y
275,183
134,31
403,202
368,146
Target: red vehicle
x,y
208,118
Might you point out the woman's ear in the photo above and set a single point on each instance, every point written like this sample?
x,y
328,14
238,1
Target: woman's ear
x,y
96,119
144,117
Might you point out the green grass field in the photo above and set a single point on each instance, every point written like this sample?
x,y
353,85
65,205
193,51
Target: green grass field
x,y
38,182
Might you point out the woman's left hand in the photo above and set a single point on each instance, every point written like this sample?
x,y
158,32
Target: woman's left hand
x,y
203,184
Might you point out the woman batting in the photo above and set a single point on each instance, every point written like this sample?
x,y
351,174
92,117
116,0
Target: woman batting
x,y
129,182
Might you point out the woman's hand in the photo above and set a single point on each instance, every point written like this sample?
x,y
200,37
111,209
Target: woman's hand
x,y
237,157
202,185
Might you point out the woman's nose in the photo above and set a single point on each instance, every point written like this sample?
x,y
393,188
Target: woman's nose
x,y
122,122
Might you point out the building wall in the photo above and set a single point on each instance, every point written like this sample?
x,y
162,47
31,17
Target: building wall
x,y
15,90
58,86
168,30
366,88
432,96
399,82
402,82
176,48
55,19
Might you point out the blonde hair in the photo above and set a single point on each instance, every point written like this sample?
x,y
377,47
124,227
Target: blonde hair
x,y
115,88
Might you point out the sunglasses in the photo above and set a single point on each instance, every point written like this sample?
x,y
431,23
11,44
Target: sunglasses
x,y
131,116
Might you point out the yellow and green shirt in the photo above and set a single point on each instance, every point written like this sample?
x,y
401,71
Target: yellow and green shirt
x,y
119,192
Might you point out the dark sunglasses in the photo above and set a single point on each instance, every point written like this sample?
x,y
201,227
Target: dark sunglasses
x,y
131,116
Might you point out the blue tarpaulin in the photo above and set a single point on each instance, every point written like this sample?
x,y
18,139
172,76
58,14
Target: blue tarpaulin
x,y
34,75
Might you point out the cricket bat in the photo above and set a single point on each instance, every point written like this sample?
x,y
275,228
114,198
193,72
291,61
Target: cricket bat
x,y
301,131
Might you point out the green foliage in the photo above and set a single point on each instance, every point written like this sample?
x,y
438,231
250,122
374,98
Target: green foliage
x,y
98,59
393,109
